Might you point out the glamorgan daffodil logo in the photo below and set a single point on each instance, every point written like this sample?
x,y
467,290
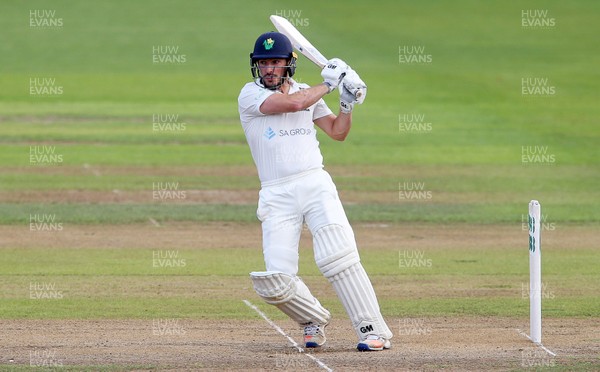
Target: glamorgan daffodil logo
x,y
268,44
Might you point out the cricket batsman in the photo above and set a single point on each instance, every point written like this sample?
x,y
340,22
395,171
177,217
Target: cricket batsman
x,y
279,116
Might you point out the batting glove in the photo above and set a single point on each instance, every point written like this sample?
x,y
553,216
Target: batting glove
x,y
354,84
347,100
333,72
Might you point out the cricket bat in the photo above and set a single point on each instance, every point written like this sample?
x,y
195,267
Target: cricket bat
x,y
303,45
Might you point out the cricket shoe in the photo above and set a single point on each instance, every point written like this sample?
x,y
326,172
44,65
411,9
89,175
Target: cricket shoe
x,y
374,343
314,335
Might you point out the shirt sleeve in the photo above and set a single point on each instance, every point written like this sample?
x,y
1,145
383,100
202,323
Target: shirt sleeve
x,y
250,99
321,109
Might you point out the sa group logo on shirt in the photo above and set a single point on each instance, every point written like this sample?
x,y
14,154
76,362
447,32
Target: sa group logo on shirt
x,y
269,133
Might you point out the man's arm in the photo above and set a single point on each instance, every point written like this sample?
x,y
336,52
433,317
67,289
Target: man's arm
x,y
332,74
302,99
336,127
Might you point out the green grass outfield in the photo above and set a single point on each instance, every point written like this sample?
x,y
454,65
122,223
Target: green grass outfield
x,y
471,159
470,94
125,283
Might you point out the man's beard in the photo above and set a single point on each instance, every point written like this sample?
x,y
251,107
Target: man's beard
x,y
275,81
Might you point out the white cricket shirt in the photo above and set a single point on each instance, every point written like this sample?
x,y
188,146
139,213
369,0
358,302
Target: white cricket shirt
x,y
282,145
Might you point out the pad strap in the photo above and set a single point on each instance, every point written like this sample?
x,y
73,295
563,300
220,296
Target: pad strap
x,y
290,295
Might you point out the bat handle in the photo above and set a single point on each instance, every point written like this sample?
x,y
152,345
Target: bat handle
x,y
357,92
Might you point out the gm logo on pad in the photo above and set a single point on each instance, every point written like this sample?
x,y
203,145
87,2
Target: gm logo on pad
x,y
269,133
367,328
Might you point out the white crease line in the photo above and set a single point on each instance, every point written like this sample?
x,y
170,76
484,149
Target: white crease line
x,y
294,343
154,222
537,343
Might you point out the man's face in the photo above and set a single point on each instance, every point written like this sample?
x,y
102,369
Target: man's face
x,y
272,71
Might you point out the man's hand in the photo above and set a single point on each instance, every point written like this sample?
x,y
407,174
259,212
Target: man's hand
x,y
333,72
347,100
353,84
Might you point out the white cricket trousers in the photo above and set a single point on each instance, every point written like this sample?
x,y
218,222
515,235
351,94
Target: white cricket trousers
x,y
286,204
311,197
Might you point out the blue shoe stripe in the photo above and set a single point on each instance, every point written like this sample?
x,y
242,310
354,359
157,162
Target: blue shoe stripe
x,y
363,347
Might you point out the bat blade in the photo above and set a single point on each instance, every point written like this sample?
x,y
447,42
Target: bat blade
x,y
304,46
298,40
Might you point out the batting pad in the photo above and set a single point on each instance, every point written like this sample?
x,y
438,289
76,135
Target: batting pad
x,y
290,295
335,249
337,257
354,289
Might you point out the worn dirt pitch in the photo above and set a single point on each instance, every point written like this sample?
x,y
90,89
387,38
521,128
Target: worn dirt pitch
x,y
461,343
429,343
